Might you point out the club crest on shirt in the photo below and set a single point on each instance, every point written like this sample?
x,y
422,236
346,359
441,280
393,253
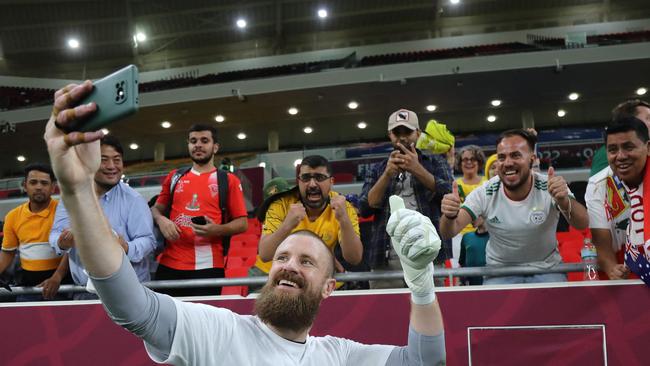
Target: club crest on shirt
x,y
537,216
214,189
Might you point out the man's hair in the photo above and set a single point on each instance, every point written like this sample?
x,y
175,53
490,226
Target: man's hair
x,y
331,268
315,161
628,109
529,137
198,127
113,142
40,167
628,124
477,153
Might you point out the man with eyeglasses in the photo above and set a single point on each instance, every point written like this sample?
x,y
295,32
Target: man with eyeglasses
x,y
421,180
312,206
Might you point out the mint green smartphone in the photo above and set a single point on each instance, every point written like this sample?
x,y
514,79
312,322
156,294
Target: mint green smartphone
x,y
116,96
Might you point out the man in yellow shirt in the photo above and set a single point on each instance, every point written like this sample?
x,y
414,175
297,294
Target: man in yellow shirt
x,y
312,206
26,230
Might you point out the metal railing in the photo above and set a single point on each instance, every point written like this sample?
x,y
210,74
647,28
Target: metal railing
x,y
342,277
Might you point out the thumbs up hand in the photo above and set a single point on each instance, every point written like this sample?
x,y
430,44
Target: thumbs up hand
x,y
451,202
557,187
551,173
416,243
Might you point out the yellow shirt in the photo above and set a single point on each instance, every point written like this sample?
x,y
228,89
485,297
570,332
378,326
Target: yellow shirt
x,y
29,232
464,190
326,226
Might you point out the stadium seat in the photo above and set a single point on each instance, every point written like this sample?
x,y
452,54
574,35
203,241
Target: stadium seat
x,y
235,290
569,244
239,262
244,240
242,251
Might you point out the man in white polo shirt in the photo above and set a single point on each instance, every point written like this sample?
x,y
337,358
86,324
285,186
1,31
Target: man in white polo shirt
x,y
521,209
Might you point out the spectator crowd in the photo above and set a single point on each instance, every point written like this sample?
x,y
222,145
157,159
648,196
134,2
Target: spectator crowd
x,y
501,211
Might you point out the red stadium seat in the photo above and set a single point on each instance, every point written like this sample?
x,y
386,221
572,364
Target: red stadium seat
x,y
244,240
235,290
238,262
242,251
569,244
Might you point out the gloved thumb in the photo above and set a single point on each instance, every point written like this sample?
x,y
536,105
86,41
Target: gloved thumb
x,y
396,203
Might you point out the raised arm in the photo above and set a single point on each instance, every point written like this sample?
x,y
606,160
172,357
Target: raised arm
x,y
278,224
574,212
417,244
75,159
382,181
349,239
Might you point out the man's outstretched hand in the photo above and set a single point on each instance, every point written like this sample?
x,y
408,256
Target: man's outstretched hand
x,y
417,244
75,156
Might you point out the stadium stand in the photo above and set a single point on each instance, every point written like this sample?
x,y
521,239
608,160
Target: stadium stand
x,y
15,98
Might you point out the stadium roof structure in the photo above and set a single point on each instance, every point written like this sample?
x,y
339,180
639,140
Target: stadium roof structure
x,y
183,35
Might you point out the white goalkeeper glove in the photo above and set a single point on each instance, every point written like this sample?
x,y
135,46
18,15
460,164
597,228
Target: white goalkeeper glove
x,y
417,244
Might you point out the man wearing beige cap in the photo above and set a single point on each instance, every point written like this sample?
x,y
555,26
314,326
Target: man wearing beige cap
x,y
421,180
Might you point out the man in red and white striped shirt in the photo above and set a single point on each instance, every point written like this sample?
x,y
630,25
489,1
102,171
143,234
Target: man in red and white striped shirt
x,y
194,250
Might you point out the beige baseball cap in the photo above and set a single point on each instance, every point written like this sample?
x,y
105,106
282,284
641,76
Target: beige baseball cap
x,y
403,117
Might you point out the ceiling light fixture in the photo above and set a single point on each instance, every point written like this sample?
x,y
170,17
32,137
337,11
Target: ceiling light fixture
x,y
293,111
641,91
241,23
431,108
166,124
491,118
353,105
262,164
73,43
308,129
219,118
362,125
20,158
574,96
134,146
495,102
241,136
454,2
140,37
561,113
322,13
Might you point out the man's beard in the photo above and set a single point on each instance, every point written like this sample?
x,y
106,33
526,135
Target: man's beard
x,y
514,186
39,198
294,312
311,204
202,161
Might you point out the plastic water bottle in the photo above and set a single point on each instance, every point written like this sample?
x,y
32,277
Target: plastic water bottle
x,y
590,261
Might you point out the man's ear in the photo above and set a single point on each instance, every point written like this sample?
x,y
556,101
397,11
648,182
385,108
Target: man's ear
x,y
328,287
215,148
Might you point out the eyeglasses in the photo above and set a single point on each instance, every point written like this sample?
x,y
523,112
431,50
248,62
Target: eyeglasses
x,y
468,160
306,178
